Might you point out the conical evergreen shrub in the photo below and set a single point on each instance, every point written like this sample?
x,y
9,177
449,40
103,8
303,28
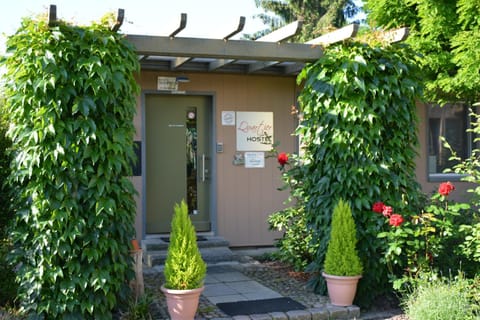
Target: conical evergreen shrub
x,y
184,266
342,257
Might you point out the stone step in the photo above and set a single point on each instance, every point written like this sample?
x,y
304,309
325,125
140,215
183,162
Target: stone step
x,y
209,255
161,243
213,249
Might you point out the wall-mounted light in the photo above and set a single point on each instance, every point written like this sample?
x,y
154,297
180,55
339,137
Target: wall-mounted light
x,y
182,79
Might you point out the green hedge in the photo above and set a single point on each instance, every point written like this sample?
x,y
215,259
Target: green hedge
x,y
359,132
71,101
7,274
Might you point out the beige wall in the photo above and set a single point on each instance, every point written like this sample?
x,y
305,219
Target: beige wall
x,y
245,197
137,181
428,187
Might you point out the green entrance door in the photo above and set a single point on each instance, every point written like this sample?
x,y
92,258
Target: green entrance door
x,y
178,164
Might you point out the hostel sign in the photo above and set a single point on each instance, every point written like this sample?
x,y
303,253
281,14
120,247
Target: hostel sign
x,y
254,131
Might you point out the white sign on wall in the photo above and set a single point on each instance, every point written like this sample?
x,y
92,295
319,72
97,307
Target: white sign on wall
x,y
167,83
254,159
254,131
228,118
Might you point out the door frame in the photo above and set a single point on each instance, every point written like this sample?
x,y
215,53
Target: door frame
x,y
213,169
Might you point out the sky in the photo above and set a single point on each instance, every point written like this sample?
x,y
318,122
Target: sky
x,y
205,18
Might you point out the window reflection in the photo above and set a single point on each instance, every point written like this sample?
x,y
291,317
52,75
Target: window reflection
x,y
192,166
450,122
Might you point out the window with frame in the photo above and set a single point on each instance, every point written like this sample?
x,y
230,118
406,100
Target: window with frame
x,y
450,122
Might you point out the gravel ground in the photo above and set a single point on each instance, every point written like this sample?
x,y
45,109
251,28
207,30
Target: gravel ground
x,y
274,275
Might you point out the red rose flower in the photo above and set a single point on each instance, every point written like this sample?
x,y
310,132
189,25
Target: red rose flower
x,y
445,188
378,207
282,158
430,257
396,220
387,211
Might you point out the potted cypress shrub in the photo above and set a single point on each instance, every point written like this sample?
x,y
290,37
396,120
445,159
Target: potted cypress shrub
x,y
342,266
184,269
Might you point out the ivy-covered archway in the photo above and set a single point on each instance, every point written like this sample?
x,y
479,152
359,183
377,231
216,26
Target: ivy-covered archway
x,y
70,95
359,138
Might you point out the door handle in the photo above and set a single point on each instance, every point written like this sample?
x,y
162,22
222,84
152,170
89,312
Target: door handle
x,y
203,167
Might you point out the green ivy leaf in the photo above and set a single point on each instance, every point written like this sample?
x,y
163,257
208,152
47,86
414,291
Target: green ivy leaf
x,y
71,152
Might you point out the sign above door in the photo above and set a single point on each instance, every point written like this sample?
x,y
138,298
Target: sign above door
x,y
254,131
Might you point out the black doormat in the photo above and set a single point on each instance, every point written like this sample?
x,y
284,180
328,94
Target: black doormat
x,y
260,306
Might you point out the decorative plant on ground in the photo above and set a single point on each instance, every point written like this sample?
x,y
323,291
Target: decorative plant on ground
x,y
138,308
341,258
359,138
442,299
71,101
184,266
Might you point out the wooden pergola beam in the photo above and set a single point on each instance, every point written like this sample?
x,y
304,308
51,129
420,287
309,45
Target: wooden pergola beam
x,y
119,22
284,33
179,62
220,49
261,65
260,55
338,35
183,24
278,35
52,15
217,64
397,35
241,25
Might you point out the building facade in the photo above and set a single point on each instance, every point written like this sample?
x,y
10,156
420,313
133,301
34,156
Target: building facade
x,y
207,116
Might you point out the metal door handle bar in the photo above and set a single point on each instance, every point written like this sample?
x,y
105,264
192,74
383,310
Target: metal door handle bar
x,y
203,167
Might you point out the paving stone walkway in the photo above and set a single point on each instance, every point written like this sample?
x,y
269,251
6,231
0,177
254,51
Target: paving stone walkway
x,y
250,281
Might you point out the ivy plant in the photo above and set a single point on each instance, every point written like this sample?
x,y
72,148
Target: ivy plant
x,y
447,34
7,274
71,101
359,133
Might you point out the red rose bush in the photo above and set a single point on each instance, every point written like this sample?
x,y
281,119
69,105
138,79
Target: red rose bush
x,y
415,243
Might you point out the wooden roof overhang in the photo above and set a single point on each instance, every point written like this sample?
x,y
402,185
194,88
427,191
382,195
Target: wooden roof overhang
x,y
269,54
218,55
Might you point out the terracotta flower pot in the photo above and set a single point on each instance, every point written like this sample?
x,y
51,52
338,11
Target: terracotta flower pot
x,y
182,304
341,290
